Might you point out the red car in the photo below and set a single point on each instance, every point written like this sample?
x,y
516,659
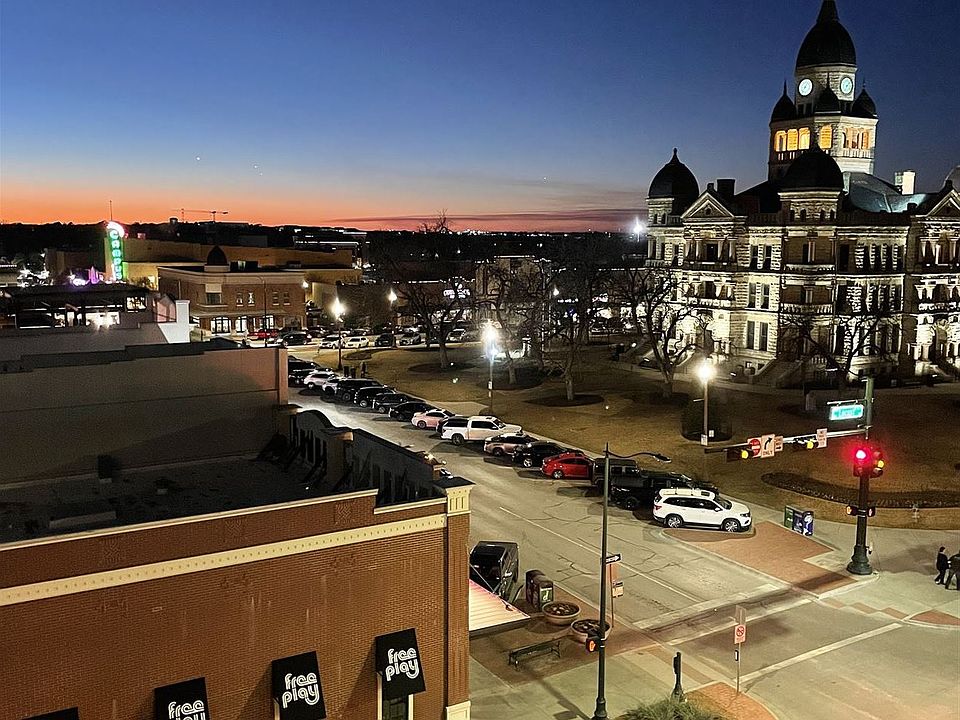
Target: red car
x,y
264,334
568,465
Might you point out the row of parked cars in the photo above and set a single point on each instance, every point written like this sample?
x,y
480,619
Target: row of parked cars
x,y
676,499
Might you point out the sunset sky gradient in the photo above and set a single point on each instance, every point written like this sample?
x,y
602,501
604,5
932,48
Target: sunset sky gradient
x,y
508,115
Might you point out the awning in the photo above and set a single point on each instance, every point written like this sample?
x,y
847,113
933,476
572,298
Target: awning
x,y
398,662
70,714
296,687
488,610
182,701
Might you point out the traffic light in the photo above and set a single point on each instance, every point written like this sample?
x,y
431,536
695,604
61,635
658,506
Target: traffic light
x,y
860,457
877,462
734,454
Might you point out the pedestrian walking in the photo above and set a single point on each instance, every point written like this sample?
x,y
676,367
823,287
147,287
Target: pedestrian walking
x,y
942,564
954,570
363,369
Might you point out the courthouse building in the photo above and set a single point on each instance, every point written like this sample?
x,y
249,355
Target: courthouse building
x,y
823,266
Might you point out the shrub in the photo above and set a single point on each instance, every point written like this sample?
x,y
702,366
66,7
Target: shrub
x,y
671,709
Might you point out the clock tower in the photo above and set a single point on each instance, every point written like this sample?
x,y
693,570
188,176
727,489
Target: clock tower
x,y
824,111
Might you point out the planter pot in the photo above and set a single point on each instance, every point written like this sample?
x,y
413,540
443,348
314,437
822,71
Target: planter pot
x,y
561,613
580,628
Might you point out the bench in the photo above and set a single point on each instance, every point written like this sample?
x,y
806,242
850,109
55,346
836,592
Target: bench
x,y
544,648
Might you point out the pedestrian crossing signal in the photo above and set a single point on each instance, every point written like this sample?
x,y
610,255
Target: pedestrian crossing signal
x,y
591,644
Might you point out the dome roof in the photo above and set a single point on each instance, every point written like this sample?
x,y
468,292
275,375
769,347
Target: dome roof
x,y
813,169
828,42
864,106
217,258
784,109
828,102
674,181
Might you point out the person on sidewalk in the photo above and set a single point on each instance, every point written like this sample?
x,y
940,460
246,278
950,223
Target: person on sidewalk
x,y
942,564
954,570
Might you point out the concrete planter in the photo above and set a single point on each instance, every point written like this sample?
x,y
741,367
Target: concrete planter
x,y
561,613
581,628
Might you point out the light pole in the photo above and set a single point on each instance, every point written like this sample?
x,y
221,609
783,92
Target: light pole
x,y
392,299
490,342
600,712
705,372
338,310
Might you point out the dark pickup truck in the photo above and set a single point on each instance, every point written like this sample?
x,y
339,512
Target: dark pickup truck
x,y
494,566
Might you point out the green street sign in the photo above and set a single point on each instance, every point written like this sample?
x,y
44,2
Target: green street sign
x,y
853,411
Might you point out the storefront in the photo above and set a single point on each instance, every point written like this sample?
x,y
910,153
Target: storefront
x,y
400,674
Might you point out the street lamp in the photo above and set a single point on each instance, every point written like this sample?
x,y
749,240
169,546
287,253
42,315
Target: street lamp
x,y
338,310
392,299
490,336
600,712
706,372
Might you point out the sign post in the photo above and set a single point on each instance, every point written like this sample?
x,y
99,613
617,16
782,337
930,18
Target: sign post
x,y
739,636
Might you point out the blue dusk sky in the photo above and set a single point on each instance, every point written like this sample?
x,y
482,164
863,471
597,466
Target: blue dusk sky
x,y
521,115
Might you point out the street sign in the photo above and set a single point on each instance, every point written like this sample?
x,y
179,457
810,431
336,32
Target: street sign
x,y
612,559
852,411
821,437
739,634
768,446
740,615
703,440
778,443
616,590
754,444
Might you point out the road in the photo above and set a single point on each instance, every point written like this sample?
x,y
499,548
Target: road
x,y
805,659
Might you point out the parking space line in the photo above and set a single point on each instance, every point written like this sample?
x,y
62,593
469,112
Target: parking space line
x,y
596,552
816,652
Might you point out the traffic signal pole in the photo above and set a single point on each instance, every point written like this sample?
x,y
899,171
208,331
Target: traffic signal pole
x,y
859,564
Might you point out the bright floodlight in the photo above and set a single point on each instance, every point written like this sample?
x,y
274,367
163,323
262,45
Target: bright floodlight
x,y
392,296
637,227
556,291
338,308
490,334
706,371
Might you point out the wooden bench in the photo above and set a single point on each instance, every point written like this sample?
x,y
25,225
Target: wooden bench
x,y
544,648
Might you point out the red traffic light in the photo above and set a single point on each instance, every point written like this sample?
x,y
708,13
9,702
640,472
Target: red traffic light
x,y
861,454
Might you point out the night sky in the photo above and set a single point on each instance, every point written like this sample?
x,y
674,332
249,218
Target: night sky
x,y
522,115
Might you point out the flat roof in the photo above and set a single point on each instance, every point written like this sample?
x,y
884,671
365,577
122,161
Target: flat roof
x,y
54,507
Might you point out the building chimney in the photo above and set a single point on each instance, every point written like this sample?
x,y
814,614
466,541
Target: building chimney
x,y
905,180
709,186
725,187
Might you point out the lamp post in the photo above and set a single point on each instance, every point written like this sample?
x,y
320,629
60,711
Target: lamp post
x,y
490,342
392,299
600,712
338,310
706,372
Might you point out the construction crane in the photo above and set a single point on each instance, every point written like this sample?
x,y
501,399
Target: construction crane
x,y
212,213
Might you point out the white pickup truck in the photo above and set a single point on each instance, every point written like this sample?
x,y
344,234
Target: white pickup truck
x,y
460,429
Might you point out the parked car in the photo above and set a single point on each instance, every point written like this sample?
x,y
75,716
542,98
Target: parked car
x,y
346,389
384,329
298,370
364,396
506,444
384,401
410,338
476,427
264,334
430,418
329,386
359,331
315,378
568,465
385,340
406,410
677,507
455,336
533,454
289,339
356,341
639,488
330,341
494,566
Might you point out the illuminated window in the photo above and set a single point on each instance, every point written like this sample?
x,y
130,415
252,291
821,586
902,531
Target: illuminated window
x,y
826,137
865,141
780,141
276,301
240,302
792,140
804,138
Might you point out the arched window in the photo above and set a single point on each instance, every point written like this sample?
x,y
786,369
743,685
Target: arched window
x,y
804,138
791,140
865,141
826,137
803,218
780,141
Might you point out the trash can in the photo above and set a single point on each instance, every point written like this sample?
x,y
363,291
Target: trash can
x,y
544,591
529,586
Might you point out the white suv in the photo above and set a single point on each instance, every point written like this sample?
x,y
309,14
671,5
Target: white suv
x,y
477,427
676,507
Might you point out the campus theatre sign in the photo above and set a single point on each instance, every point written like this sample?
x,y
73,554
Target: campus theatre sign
x,y
182,701
296,688
398,662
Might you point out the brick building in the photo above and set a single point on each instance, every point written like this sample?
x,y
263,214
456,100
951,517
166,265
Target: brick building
x,y
236,298
323,576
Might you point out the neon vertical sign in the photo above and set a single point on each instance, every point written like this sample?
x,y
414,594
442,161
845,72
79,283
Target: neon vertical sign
x,y
115,235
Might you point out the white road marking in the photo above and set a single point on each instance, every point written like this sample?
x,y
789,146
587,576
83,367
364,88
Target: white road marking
x,y
816,652
596,552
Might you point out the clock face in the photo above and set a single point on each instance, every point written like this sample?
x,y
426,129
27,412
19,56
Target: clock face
x,y
806,86
846,86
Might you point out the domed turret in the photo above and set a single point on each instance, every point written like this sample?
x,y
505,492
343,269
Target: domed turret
x,y
677,182
813,170
864,106
828,42
828,102
784,109
216,259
